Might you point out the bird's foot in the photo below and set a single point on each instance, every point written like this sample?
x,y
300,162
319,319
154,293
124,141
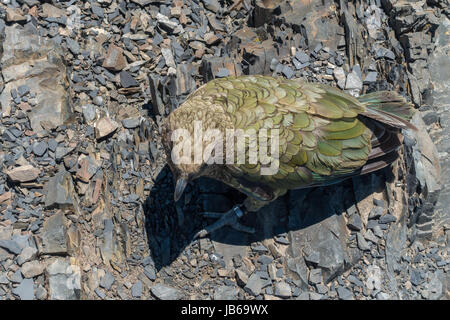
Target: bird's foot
x,y
229,218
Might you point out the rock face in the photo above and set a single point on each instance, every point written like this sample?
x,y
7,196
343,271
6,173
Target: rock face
x,y
64,280
61,192
36,62
54,238
427,170
86,205
327,240
440,95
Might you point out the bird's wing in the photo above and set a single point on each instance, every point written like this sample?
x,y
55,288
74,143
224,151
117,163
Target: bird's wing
x,y
321,140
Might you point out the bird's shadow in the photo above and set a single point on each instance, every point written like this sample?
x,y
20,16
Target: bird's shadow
x,y
170,226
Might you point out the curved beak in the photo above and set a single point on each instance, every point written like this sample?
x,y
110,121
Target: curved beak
x,y
179,188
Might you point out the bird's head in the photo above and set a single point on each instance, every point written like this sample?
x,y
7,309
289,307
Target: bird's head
x,y
179,157
187,133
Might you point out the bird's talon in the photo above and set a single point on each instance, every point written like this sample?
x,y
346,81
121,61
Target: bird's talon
x,y
229,218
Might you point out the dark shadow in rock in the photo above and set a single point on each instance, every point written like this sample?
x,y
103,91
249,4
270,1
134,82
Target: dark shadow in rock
x,y
170,230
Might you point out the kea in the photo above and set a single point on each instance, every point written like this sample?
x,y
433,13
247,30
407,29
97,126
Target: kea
x,y
323,136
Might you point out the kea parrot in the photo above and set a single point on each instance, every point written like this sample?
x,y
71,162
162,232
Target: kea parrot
x,y
325,136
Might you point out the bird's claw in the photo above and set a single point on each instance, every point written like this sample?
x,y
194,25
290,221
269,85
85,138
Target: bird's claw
x,y
229,218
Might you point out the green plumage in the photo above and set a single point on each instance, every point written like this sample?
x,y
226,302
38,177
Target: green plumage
x,y
323,132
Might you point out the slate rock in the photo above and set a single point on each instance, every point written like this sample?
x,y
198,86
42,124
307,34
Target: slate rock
x,y
315,276
344,293
164,292
104,127
54,235
64,280
73,46
23,173
89,112
355,222
28,253
226,293
11,246
131,123
41,60
387,218
283,290
61,192
32,269
107,281
127,80
241,277
149,271
40,148
114,60
254,285
362,243
25,290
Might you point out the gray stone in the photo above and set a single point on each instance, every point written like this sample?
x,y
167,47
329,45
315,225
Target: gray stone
x,y
283,290
315,296
384,53
373,281
23,90
321,288
98,100
355,222
22,64
376,212
89,113
127,80
362,243
164,292
315,276
287,71
60,191
324,238
353,81
241,277
54,237
64,280
301,56
3,279
371,77
25,290
16,277
339,75
383,296
226,293
212,5
131,123
32,269
149,271
107,281
416,277
387,218
11,246
254,285
222,72
61,152
344,293
427,171
41,293
40,148
395,246
73,46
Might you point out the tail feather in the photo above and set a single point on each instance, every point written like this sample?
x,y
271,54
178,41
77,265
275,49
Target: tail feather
x,y
388,107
